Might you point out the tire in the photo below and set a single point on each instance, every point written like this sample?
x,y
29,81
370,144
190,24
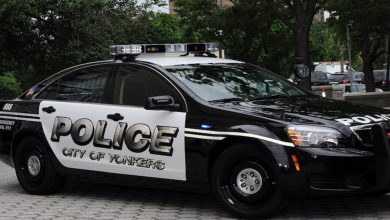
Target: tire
x,y
34,168
231,170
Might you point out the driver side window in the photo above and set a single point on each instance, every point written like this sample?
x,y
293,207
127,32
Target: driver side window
x,y
134,85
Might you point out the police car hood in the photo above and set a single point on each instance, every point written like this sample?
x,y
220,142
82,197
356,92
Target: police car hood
x,y
311,110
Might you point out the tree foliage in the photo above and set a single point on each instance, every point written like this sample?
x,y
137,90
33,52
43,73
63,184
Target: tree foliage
x,y
325,45
155,28
9,87
39,37
198,19
247,31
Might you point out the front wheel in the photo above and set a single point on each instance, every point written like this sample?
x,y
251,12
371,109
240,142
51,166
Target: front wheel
x,y
245,183
34,168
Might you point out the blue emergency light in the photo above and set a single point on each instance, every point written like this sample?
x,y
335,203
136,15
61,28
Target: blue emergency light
x,y
205,126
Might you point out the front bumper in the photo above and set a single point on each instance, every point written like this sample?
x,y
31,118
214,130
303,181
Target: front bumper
x,y
327,171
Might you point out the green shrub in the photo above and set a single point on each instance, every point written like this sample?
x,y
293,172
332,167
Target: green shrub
x,y
9,87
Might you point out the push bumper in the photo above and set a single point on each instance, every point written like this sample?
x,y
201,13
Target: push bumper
x,y
327,171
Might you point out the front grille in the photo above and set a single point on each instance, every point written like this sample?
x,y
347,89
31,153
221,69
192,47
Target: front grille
x,y
327,182
334,182
364,133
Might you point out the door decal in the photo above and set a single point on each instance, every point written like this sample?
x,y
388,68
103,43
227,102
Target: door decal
x,y
140,142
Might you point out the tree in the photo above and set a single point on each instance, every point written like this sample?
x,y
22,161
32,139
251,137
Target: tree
x,y
198,19
9,87
251,34
371,22
155,28
298,16
325,44
39,37
247,31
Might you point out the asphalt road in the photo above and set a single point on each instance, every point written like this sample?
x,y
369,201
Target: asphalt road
x,y
84,200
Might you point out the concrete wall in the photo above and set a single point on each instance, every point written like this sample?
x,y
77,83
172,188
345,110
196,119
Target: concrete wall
x,y
377,99
372,98
331,91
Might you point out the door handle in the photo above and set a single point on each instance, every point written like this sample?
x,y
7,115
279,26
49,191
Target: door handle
x,y
115,117
49,109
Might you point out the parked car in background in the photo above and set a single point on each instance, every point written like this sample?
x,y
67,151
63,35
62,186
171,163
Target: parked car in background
x,y
356,77
357,88
347,77
380,80
330,67
320,78
339,78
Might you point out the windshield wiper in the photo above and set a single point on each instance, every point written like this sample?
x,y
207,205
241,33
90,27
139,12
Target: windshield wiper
x,y
269,97
228,100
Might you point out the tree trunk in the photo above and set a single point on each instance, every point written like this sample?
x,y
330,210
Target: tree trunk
x,y
302,51
368,68
368,71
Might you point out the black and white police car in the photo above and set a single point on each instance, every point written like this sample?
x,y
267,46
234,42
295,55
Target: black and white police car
x,y
253,136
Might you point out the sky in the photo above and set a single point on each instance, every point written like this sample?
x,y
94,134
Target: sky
x,y
164,9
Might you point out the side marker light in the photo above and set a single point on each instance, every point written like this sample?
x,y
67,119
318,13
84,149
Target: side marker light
x,y
296,164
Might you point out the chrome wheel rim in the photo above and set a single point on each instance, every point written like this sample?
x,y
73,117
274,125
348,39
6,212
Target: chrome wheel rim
x,y
249,181
33,165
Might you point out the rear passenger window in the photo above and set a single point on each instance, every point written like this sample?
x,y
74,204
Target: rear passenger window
x,y
86,85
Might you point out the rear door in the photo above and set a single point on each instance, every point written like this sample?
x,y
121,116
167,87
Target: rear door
x,y
95,122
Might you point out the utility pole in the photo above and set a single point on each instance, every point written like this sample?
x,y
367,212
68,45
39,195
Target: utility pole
x,y
219,34
349,25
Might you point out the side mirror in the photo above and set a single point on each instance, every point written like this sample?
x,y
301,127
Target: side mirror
x,y
161,103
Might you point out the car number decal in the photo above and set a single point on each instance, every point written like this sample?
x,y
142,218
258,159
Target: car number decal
x,y
8,107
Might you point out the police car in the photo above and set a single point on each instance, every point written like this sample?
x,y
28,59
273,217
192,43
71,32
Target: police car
x,y
254,137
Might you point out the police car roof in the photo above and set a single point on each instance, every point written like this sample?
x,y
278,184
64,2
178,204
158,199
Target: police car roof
x,y
185,60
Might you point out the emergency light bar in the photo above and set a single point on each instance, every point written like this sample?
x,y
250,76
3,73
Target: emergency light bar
x,y
137,49
121,50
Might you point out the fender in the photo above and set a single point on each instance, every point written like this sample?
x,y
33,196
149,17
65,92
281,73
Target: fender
x,y
26,129
35,130
204,146
279,152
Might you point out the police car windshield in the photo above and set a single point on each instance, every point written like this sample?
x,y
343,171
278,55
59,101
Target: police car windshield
x,y
233,82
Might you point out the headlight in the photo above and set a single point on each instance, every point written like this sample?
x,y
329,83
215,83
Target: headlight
x,y
314,136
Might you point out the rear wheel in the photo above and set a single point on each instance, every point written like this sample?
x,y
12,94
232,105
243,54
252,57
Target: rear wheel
x,y
245,183
34,168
